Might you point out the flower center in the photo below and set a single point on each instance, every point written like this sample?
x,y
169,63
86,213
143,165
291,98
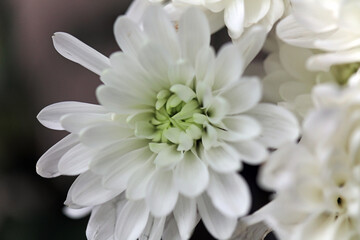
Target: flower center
x,y
175,119
343,72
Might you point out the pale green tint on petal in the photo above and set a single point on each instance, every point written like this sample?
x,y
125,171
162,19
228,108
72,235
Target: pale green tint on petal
x,y
168,157
144,129
161,194
131,220
185,142
217,110
191,175
173,135
194,131
217,224
183,92
188,110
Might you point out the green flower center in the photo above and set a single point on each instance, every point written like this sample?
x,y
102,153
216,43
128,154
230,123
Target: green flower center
x,y
177,119
343,72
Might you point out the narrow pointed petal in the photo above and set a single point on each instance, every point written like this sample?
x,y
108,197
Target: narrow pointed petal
x,y
47,166
77,51
102,222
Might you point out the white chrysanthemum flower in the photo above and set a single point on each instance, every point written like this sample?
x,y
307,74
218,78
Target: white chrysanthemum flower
x,y
237,15
331,26
174,125
317,182
289,83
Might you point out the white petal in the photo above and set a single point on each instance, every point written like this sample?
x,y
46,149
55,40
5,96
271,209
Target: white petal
x,y
185,216
76,213
255,10
118,175
216,223
161,195
138,182
252,152
229,66
182,72
76,160
168,157
171,231
278,124
128,35
87,190
159,29
185,93
103,135
154,229
243,95
132,220
194,33
50,115
222,159
204,65
240,128
120,101
191,175
250,43
234,15
75,122
104,161
102,222
76,51
47,166
230,194
136,10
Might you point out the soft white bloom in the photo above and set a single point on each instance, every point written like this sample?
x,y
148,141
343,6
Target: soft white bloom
x,y
237,15
317,182
289,83
174,125
331,26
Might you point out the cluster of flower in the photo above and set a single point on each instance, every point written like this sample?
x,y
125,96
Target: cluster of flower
x,y
176,120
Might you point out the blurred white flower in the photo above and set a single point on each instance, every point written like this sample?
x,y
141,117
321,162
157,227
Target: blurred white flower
x,y
289,83
237,15
331,26
173,126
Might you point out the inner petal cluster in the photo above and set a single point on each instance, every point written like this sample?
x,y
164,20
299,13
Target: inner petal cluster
x,y
343,72
176,119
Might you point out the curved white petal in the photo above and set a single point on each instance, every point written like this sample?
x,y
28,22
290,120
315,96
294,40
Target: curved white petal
x,y
230,194
216,223
171,231
251,152
243,95
185,215
194,33
77,51
87,190
76,160
161,195
278,124
255,10
132,220
222,159
191,175
76,122
50,115
234,17
240,128
47,166
101,224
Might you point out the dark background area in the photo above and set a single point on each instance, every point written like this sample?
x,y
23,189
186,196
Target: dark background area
x,y
32,76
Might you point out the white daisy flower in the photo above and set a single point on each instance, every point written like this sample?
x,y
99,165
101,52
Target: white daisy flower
x,y
237,15
174,125
289,83
331,26
317,182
